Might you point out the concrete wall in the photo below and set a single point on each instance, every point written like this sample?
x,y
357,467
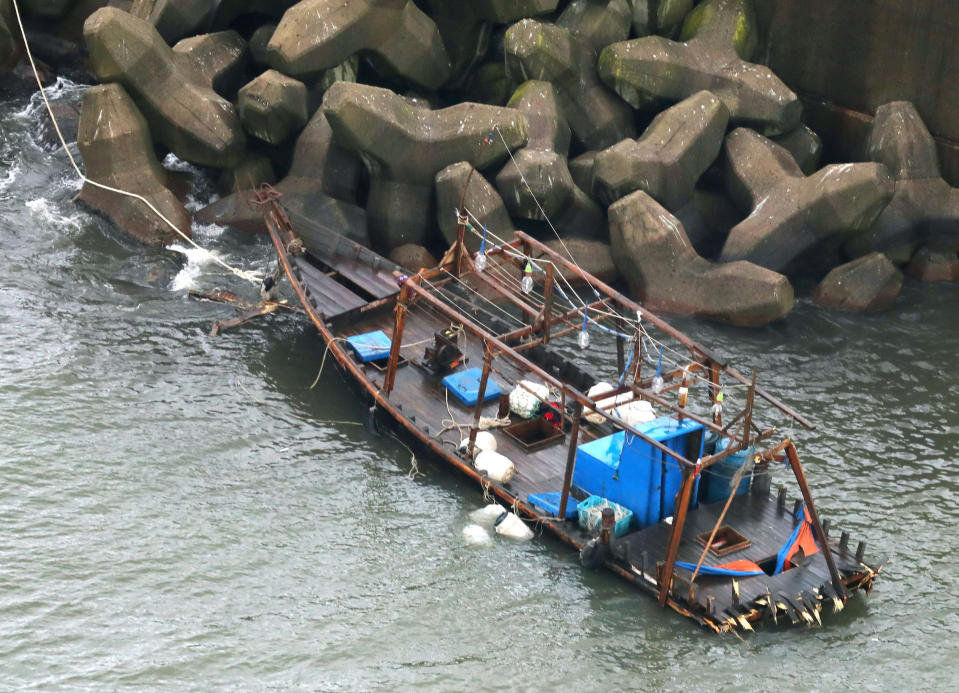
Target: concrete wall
x,y
859,54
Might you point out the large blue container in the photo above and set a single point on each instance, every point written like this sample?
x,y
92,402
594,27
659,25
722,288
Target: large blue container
x,y
717,478
628,470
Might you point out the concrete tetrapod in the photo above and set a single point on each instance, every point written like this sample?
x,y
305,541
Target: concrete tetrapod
x,y
677,147
930,266
404,147
114,141
397,37
868,283
793,215
272,107
592,255
185,115
220,57
48,9
597,23
805,146
8,44
717,41
228,11
319,189
460,181
924,212
541,165
175,19
658,16
658,262
537,50
466,27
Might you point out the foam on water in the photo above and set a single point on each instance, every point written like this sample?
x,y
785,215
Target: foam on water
x,y
196,260
62,89
47,212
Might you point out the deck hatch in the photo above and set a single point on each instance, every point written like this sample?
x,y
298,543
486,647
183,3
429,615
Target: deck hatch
x,y
726,541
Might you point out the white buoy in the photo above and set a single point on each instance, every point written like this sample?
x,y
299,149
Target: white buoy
x,y
512,527
474,535
595,391
484,441
634,413
487,515
497,467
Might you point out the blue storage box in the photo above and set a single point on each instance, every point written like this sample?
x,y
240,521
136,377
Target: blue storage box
x,y
627,470
549,503
592,521
465,386
370,346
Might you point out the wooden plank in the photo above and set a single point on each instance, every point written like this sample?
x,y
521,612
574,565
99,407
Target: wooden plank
x,y
378,283
333,299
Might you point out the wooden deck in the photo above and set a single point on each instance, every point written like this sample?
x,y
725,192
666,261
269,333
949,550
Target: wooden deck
x,y
423,401
347,294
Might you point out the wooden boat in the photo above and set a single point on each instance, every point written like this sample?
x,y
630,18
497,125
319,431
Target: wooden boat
x,y
700,542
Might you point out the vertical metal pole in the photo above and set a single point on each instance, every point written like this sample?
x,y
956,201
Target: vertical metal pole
x,y
480,397
548,302
462,220
398,324
714,384
750,397
570,460
638,355
530,317
679,519
620,347
793,456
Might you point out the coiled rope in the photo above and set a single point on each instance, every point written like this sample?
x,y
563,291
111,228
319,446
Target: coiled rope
x,y
252,277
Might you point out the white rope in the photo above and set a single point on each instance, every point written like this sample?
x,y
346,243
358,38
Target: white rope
x,y
538,205
361,344
252,277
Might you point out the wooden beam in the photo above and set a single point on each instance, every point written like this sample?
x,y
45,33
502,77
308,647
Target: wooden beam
x,y
527,330
623,300
690,344
620,345
399,322
750,399
548,302
509,296
570,462
461,221
679,519
793,456
480,397
531,367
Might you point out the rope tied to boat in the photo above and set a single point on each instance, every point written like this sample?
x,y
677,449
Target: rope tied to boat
x,y
250,276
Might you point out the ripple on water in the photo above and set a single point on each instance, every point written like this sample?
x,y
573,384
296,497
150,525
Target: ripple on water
x,y
184,512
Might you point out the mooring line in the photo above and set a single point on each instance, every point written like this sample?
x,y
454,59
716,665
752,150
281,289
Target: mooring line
x,y
250,276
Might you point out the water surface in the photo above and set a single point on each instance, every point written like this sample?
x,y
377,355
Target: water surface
x,y
182,512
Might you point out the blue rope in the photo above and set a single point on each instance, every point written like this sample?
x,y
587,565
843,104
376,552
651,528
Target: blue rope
x,y
629,362
659,366
483,242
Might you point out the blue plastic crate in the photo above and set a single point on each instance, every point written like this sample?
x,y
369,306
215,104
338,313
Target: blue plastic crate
x,y
370,346
465,386
549,503
624,516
